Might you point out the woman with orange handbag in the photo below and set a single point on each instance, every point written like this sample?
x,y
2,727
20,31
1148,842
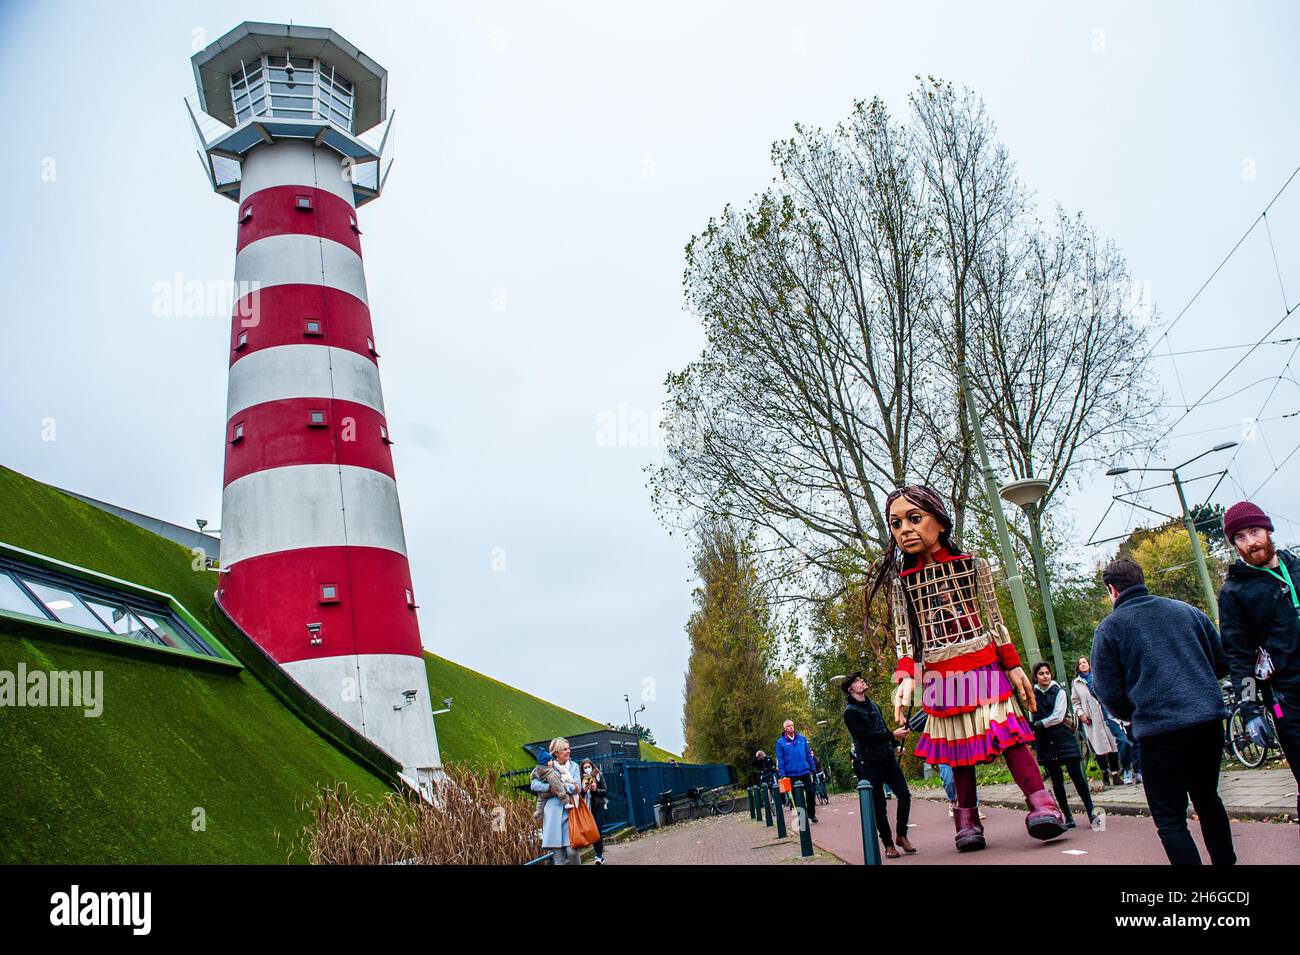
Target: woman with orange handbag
x,y
557,813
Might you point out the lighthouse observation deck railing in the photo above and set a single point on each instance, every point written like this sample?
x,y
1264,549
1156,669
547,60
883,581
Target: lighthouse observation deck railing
x,y
219,152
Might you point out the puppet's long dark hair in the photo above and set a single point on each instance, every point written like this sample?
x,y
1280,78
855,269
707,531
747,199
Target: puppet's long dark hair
x,y
894,560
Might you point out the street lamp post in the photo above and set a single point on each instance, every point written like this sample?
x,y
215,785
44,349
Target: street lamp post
x,y
1027,495
1201,569
1024,620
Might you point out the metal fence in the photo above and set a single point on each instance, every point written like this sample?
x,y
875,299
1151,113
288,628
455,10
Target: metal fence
x,y
642,782
633,785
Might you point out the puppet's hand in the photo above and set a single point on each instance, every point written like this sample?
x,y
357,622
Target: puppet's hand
x,y
902,695
1021,682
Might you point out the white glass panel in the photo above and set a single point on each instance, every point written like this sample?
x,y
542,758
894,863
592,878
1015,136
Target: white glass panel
x,y
121,621
65,605
14,600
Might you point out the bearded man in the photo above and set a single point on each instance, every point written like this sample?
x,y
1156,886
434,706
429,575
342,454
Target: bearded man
x,y
1259,616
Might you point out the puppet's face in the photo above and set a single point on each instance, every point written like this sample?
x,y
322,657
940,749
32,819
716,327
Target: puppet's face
x,y
915,530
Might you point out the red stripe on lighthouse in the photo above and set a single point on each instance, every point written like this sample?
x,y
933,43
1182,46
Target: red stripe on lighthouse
x,y
278,314
275,211
278,434
276,595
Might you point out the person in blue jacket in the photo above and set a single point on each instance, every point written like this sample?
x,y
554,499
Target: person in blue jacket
x,y
794,758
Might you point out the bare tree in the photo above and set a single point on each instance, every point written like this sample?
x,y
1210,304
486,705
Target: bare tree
x,y
838,310
1057,360
975,202
796,420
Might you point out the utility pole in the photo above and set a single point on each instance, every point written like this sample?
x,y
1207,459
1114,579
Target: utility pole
x,y
1024,620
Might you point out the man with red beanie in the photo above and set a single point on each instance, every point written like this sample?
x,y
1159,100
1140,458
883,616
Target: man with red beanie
x,y
1259,616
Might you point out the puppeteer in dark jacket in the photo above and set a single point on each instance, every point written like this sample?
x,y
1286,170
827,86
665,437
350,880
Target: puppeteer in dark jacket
x,y
1256,611
872,738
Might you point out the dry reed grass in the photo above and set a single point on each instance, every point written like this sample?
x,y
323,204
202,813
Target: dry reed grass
x,y
470,822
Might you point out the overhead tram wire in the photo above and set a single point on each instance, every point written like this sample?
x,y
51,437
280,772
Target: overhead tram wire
x,y
1219,267
1201,351
1235,365
1183,311
1255,423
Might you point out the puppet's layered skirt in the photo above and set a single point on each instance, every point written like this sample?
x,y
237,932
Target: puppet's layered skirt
x,y
973,716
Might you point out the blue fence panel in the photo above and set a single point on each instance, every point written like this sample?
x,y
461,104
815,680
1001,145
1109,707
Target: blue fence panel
x,y
644,781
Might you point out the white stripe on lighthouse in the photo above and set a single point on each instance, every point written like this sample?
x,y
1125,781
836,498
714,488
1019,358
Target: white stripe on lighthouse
x,y
303,371
406,734
297,259
295,164
309,505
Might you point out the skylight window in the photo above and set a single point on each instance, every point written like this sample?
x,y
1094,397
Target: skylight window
x,y
56,598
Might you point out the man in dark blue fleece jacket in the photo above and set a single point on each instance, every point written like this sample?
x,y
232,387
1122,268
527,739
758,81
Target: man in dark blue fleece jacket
x,y
1157,662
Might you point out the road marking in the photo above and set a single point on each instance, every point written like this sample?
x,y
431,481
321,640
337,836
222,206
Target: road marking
x,y
1074,852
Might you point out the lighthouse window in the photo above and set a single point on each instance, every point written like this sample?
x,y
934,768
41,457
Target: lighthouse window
x,y
247,90
238,434
310,88
329,593
246,213
316,419
383,435
313,326
302,202
242,342
370,347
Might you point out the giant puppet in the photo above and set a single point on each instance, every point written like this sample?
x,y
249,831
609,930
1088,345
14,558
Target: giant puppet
x,y
951,640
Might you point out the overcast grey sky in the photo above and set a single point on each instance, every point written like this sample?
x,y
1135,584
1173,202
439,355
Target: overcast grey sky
x,y
524,264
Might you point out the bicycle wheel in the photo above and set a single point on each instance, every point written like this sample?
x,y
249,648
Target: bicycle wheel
x,y
724,804
1249,753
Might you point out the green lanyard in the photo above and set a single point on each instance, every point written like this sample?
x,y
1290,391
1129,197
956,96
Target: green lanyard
x,y
1285,577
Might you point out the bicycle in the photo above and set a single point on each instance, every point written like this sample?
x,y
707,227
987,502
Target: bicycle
x,y
710,802
1246,751
1237,743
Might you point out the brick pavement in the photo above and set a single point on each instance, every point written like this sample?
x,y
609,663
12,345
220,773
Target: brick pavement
x,y
720,840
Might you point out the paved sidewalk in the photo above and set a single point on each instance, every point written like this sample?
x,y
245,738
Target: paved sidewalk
x,y
1124,840
720,840
1247,794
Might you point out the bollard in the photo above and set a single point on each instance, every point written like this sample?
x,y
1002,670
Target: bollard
x,y
801,813
867,810
767,808
780,813
753,802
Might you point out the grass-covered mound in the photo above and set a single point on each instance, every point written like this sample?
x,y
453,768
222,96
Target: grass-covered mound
x,y
172,740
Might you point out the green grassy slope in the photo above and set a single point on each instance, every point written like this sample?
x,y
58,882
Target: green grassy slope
x,y
489,721
124,787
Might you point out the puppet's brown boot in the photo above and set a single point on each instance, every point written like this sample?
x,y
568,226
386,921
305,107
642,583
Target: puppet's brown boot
x,y
970,834
1044,820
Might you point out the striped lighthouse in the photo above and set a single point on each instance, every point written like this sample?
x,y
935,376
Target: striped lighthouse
x,y
312,548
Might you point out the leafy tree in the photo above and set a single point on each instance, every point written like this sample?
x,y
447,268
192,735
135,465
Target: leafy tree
x,y
1170,566
733,697
642,733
